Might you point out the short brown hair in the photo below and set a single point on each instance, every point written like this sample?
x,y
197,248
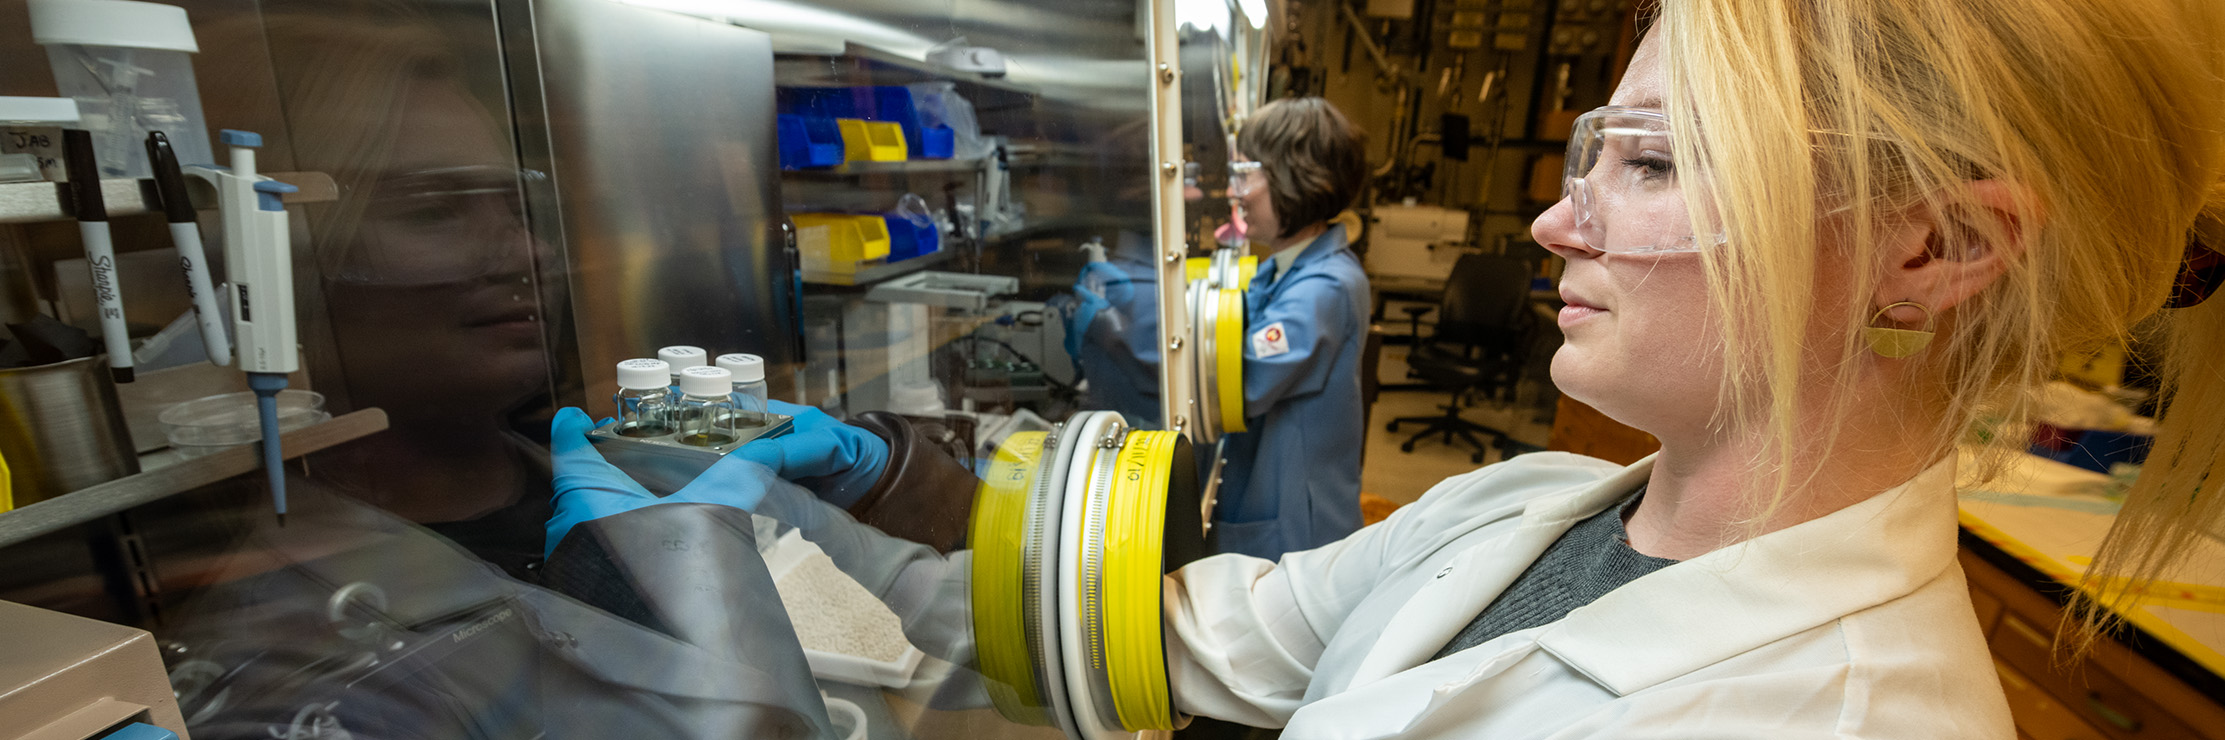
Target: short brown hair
x,y
1314,157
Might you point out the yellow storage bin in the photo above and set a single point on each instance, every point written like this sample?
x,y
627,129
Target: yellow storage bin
x,y
872,141
837,242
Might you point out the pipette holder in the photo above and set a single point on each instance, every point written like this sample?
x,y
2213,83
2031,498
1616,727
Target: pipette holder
x,y
663,464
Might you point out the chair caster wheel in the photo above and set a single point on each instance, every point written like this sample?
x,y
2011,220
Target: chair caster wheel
x,y
1391,427
1476,458
1408,447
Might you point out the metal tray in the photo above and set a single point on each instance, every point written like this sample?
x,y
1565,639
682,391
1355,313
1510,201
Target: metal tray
x,y
663,465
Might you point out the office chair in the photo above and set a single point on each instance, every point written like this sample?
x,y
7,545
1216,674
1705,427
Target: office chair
x,y
1481,342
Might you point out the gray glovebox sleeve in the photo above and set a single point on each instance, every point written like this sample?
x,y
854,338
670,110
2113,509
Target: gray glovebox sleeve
x,y
691,572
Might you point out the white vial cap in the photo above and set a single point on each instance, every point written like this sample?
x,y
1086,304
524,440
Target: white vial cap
x,y
644,374
746,368
703,380
682,357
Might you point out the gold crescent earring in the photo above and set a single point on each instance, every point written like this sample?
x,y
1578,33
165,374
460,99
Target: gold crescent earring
x,y
1898,343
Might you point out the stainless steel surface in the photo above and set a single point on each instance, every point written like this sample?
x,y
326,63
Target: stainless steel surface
x,y
178,477
660,133
62,429
663,464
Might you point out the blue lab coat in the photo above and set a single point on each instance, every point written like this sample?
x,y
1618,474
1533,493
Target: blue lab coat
x,y
1293,481
1119,350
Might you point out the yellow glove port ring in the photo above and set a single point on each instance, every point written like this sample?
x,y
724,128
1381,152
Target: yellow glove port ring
x,y
999,544
1217,318
1138,486
1072,531
1228,345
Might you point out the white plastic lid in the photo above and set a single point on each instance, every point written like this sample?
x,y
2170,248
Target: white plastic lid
x,y
682,357
746,368
112,23
925,399
704,380
21,111
644,374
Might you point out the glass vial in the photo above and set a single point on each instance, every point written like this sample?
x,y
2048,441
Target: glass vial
x,y
706,410
644,401
749,383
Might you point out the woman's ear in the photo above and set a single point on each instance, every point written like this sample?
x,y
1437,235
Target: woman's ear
x,y
1944,255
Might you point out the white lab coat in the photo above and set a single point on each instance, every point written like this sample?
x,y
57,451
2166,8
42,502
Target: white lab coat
x,y
1857,624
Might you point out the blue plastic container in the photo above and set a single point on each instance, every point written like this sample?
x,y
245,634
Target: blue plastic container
x,y
2093,450
936,142
895,103
907,239
809,142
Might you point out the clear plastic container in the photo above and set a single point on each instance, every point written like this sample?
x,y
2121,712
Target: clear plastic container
x,y
205,426
129,65
644,401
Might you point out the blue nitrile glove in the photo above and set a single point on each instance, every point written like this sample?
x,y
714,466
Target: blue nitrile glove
x,y
835,460
1109,280
590,488
1080,315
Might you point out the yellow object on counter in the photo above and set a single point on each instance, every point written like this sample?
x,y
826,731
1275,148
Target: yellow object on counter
x,y
7,487
872,141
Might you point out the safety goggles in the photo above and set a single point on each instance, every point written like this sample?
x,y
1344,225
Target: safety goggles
x,y
1624,184
437,226
1244,177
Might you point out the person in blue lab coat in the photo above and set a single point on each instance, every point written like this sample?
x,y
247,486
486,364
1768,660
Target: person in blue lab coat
x,y
1113,331
1293,481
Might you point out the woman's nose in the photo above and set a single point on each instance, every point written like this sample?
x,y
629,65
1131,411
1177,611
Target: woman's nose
x,y
1556,230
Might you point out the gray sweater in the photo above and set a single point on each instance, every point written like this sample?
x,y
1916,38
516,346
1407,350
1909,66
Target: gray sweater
x,y
1591,559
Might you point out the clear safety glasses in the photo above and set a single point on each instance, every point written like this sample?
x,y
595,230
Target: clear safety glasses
x,y
437,226
1243,177
1625,186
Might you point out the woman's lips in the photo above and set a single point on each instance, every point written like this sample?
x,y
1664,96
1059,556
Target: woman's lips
x,y
1577,309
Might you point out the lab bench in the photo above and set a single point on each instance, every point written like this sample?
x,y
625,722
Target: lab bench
x,y
2027,535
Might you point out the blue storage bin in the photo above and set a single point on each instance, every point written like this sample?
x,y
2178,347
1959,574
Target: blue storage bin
x,y
895,103
936,142
809,142
885,103
827,102
907,239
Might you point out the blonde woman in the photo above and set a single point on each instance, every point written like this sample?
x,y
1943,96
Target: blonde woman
x,y
1803,243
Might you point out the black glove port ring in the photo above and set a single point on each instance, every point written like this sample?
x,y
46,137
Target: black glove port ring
x,y
1072,531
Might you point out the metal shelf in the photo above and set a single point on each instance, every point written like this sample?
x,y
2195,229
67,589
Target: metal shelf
x,y
878,273
184,475
31,202
859,64
906,167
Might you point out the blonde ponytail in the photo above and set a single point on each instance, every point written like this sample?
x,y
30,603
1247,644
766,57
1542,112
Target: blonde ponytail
x,y
2180,496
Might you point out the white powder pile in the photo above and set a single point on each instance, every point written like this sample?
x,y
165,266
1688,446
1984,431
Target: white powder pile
x,y
833,614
